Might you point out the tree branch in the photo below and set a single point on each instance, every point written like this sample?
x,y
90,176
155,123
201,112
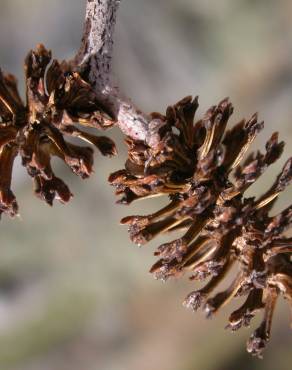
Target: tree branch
x,y
97,42
95,57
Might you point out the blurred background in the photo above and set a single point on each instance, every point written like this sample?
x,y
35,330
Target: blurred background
x,y
75,294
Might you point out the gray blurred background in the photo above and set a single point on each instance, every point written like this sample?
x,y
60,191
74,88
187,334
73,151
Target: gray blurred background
x,y
75,294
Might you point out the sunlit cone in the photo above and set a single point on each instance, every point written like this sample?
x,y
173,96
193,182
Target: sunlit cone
x,y
201,168
56,98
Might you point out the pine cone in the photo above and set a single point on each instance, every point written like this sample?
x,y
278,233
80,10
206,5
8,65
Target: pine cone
x,y
56,98
198,167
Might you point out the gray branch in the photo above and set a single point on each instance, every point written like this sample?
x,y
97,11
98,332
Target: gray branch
x,y
95,56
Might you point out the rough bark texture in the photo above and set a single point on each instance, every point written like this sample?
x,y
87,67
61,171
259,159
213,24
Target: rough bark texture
x,y
95,57
97,42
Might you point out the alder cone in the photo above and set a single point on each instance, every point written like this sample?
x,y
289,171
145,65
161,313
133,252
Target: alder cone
x,y
56,98
201,168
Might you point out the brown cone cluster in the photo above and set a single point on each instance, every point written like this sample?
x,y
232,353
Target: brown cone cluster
x,y
56,98
201,168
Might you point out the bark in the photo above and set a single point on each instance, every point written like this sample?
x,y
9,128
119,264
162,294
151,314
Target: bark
x,y
95,56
